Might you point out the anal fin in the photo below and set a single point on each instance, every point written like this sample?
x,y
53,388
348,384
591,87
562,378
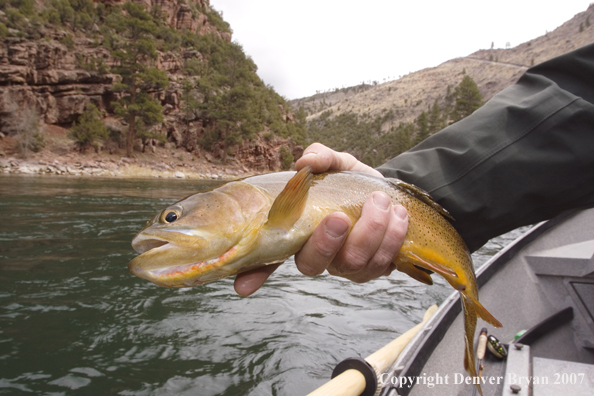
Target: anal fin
x,y
412,271
481,311
447,273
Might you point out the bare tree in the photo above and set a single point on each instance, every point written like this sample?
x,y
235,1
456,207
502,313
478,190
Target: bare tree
x,y
24,122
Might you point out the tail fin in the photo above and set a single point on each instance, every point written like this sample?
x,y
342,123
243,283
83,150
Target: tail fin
x,y
470,326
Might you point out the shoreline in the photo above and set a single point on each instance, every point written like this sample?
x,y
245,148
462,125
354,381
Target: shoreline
x,y
59,157
121,168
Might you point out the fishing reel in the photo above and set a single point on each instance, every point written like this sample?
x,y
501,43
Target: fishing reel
x,y
496,348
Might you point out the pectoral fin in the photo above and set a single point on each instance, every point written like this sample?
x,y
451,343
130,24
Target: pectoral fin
x,y
288,206
250,234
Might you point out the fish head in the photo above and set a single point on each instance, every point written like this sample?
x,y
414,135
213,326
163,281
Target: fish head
x,y
195,240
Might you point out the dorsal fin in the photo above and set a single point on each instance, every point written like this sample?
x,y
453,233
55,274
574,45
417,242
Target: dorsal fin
x,y
421,195
288,206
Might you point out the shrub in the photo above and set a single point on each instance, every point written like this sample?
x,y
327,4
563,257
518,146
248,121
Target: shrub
x,y
269,136
194,67
215,19
168,39
286,158
3,31
89,130
68,41
15,19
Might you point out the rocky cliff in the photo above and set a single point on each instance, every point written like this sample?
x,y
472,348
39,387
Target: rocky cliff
x,y
44,73
56,75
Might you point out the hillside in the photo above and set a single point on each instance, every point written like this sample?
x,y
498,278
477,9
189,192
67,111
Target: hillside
x,y
164,78
202,109
402,101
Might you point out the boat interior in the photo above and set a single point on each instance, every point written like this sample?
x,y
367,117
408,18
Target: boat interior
x,y
541,288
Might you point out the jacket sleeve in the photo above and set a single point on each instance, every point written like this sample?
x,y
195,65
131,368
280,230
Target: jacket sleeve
x,y
525,156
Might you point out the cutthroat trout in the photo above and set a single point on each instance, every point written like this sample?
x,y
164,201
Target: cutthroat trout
x,y
266,219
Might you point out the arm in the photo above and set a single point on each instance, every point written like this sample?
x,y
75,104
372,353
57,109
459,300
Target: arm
x,y
525,156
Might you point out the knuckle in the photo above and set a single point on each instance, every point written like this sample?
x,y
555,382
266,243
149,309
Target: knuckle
x,y
345,161
325,249
306,268
375,219
381,261
377,223
395,235
314,146
398,231
353,260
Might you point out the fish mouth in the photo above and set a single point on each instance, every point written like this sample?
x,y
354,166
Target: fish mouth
x,y
141,245
144,245
174,258
146,241
185,275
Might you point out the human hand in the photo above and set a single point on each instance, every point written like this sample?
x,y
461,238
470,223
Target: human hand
x,y
365,253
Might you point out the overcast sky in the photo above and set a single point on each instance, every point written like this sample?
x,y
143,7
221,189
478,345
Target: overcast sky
x,y
304,46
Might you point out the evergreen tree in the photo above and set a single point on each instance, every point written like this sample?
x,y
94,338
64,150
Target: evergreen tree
x,y
422,124
135,56
467,99
190,104
228,95
435,119
88,129
449,101
300,135
286,158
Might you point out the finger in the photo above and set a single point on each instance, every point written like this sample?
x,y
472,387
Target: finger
x,y
382,261
322,159
248,282
389,270
326,240
365,237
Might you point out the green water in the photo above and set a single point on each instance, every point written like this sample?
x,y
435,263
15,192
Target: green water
x,y
73,321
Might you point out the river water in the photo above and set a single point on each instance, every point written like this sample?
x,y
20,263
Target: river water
x,y
73,321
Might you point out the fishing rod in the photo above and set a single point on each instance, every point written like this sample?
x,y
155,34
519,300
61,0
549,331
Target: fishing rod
x,y
480,355
355,377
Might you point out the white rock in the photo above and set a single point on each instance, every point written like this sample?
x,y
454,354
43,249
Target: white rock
x,y
26,170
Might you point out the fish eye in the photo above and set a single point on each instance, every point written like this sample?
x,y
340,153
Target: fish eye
x,y
170,215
